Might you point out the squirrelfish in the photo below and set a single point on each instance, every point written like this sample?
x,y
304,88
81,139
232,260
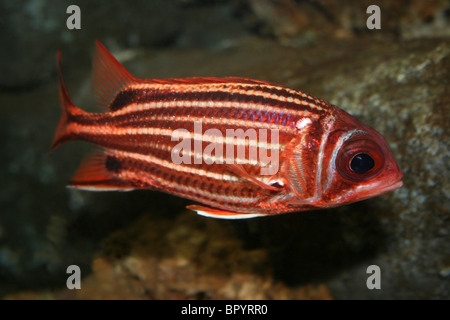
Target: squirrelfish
x,y
239,147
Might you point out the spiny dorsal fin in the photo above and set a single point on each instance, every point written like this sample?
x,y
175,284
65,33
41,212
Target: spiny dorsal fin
x,y
206,80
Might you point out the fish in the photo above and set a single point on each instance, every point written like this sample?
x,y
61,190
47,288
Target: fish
x,y
237,147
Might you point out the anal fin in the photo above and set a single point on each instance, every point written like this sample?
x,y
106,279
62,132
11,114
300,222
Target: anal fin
x,y
222,214
96,173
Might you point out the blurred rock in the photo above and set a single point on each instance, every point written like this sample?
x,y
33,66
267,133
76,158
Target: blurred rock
x,y
301,23
179,259
33,31
428,19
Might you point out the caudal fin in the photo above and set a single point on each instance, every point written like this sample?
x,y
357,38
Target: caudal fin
x,y
63,133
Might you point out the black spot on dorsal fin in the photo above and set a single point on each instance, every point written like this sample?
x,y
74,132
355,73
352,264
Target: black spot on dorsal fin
x,y
123,99
126,97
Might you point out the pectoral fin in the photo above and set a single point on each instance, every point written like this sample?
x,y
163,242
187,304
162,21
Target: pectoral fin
x,y
240,171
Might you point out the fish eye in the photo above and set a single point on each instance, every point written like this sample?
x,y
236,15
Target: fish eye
x,y
360,160
362,163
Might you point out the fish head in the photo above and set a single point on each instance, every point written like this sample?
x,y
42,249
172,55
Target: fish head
x,y
357,163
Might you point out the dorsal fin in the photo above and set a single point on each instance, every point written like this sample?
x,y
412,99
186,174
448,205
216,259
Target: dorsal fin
x,y
109,76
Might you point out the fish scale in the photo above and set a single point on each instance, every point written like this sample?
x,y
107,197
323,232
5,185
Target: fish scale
x,y
305,139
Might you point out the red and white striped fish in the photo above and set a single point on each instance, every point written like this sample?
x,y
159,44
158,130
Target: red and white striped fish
x,y
241,148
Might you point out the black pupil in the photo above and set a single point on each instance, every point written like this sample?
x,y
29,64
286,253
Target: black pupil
x,y
362,163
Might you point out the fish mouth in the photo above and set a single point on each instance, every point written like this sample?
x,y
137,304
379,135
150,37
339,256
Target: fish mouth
x,y
397,184
382,190
392,187
367,194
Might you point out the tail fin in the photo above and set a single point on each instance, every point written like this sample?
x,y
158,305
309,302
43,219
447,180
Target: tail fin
x,y
63,133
